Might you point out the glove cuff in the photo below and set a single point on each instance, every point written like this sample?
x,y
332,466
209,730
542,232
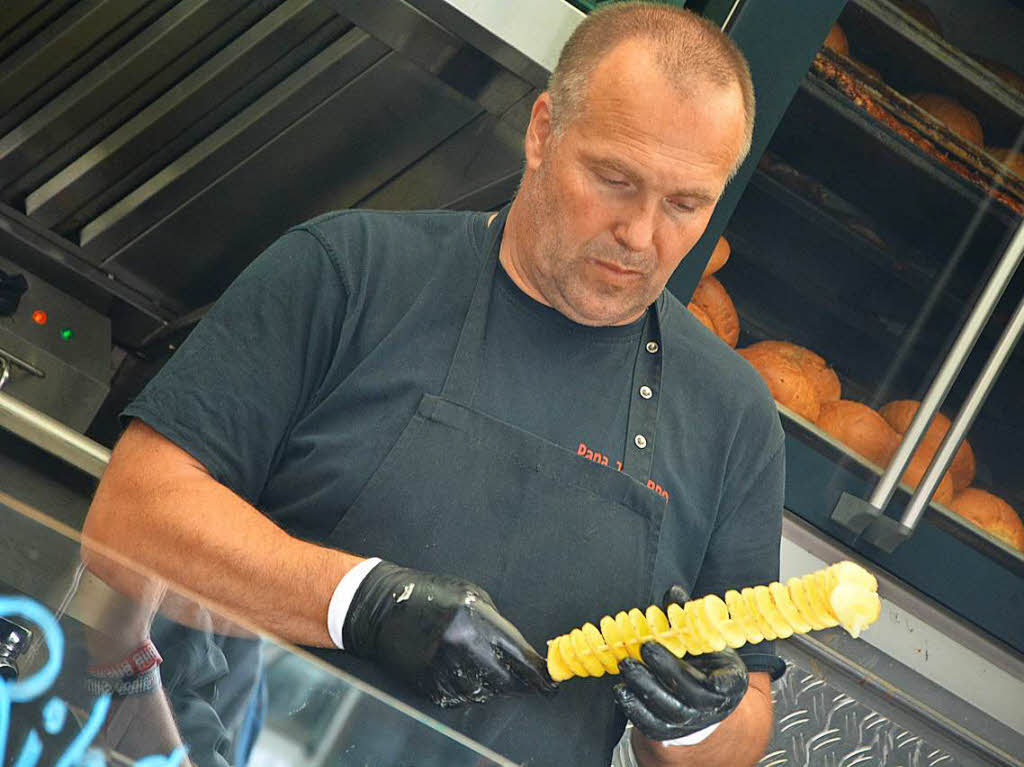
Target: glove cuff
x,y
341,600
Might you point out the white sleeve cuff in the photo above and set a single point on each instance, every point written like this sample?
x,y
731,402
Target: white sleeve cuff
x,y
623,755
341,600
693,738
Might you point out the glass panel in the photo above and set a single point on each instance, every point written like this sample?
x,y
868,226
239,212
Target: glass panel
x,y
883,204
224,694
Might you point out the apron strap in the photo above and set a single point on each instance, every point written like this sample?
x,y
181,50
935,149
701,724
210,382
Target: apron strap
x,y
460,385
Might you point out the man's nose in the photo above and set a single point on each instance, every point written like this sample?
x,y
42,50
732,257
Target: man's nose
x,y
635,229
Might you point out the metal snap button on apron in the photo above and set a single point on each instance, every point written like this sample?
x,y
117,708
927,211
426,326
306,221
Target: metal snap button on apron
x,y
645,392
641,441
652,346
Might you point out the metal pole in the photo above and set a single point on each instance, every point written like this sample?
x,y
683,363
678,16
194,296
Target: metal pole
x,y
951,367
14,359
53,436
964,419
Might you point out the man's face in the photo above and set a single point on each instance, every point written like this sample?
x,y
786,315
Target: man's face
x,y
622,195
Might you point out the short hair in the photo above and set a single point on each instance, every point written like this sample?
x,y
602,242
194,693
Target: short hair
x,y
688,50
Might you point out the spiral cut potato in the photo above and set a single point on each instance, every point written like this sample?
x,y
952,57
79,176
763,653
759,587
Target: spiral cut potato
x,y
844,594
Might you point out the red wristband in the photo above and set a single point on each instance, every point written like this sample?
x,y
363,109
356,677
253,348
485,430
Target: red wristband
x,y
141,660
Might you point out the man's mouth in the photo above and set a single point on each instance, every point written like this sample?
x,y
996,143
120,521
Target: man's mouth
x,y
617,269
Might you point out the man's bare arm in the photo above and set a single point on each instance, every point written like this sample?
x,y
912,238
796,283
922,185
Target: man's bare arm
x,y
739,741
159,507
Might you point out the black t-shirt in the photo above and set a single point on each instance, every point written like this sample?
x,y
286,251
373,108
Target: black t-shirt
x,y
296,384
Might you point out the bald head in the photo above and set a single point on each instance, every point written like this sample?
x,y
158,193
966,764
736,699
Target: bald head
x,y
688,52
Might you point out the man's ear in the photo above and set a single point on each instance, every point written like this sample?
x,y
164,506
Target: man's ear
x,y
538,133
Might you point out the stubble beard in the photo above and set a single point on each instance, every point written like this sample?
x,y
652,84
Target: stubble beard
x,y
561,274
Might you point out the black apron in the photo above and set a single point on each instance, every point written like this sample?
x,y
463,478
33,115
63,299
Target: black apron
x,y
555,539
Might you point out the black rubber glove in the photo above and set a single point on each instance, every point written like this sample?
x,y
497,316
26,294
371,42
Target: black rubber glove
x,y
666,698
443,634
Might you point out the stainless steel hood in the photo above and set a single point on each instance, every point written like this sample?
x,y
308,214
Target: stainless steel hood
x,y
150,150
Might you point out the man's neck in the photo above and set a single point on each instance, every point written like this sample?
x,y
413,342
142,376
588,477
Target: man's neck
x,y
507,256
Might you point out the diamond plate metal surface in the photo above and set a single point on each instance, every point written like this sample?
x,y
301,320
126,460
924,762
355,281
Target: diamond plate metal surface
x,y
819,726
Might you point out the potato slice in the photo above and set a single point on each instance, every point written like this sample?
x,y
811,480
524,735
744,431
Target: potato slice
x,y
785,606
711,636
583,653
663,632
800,598
740,613
557,669
767,610
597,646
819,598
763,625
641,628
700,641
613,636
568,654
680,623
851,572
626,627
855,607
718,617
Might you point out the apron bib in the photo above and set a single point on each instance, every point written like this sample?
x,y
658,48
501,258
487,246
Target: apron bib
x,y
555,539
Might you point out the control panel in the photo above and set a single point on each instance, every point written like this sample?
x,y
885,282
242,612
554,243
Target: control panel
x,y
54,350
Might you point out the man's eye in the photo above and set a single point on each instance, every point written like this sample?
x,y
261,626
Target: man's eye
x,y
681,207
612,181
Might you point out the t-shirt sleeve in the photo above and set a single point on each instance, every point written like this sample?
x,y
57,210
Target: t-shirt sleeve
x,y
256,361
744,547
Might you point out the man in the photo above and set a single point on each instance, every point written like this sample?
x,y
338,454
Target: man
x,y
508,409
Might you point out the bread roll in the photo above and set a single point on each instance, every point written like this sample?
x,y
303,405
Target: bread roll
x,y
915,471
786,381
824,378
837,41
712,297
718,257
957,118
860,428
701,315
1012,160
921,12
991,513
901,412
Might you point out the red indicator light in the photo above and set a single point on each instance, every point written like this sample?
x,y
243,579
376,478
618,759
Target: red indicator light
x,y
39,317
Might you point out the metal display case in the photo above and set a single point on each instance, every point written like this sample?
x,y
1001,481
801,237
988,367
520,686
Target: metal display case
x,y
879,237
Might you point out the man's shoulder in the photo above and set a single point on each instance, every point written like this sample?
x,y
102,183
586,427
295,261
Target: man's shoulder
x,y
704,355
408,219
396,248
344,231
718,379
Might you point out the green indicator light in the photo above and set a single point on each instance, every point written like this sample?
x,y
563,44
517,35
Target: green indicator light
x,y
67,334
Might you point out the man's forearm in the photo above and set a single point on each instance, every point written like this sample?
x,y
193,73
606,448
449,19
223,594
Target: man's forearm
x,y
739,741
171,517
